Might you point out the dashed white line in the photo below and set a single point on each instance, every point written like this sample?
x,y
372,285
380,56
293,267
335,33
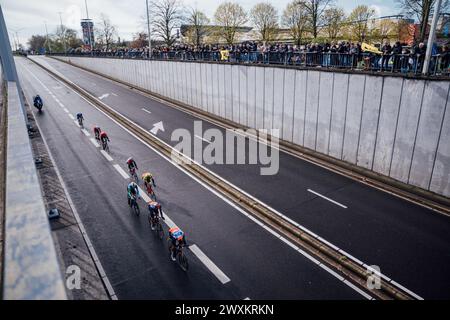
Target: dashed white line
x,y
121,171
86,133
209,264
331,200
76,123
115,95
145,110
106,155
71,117
65,109
95,143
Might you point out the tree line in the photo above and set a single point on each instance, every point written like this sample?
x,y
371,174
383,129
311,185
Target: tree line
x,y
302,20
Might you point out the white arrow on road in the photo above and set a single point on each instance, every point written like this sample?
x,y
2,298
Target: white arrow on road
x,y
106,95
156,127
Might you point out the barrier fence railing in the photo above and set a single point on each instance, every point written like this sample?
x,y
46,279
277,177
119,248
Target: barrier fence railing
x,y
393,63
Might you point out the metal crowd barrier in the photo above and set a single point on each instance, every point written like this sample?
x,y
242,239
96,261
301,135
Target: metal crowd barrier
x,y
401,63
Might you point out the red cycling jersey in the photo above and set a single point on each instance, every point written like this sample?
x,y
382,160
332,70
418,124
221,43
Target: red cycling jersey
x,y
103,135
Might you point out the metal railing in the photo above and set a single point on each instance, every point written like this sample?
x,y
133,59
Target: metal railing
x,y
398,63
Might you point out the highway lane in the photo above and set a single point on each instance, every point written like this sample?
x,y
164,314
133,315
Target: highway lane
x,y
259,265
405,240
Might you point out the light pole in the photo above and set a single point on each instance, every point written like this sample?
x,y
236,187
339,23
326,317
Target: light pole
x,y
48,40
149,32
63,30
431,37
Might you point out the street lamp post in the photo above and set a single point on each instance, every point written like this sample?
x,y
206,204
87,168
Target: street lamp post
x,y
64,33
431,37
149,32
48,40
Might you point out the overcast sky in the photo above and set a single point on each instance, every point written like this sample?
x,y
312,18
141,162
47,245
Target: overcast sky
x,y
26,17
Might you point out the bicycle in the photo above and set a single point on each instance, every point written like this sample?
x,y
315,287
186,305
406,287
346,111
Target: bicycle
x,y
150,191
80,122
105,145
134,205
134,175
155,224
180,256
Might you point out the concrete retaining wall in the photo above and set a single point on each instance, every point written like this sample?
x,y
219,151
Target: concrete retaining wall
x,y
394,126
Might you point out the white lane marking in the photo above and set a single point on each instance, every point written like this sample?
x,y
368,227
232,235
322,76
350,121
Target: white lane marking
x,y
247,298
71,116
212,190
106,155
115,95
145,110
219,195
331,200
65,109
76,123
209,264
95,143
106,95
121,171
203,139
86,133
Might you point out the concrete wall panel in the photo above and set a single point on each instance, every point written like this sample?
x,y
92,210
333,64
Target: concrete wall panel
x,y
243,95
433,108
407,129
268,97
301,87
251,97
235,92
288,105
228,93
338,113
278,99
259,98
369,123
324,112
353,117
312,105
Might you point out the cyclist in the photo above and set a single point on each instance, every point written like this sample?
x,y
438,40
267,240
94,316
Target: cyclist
x,y
148,180
80,118
178,239
97,132
132,190
131,164
37,101
155,208
104,138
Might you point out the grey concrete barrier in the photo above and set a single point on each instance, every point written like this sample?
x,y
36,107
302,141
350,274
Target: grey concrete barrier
x,y
31,270
395,126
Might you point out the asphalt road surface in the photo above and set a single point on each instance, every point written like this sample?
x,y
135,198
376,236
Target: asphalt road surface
x,y
409,243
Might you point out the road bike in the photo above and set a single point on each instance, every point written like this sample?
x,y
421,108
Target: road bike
x,y
105,145
134,205
179,254
150,191
80,122
155,224
134,175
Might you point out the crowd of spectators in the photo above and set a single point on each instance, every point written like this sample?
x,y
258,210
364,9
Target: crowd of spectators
x,y
398,57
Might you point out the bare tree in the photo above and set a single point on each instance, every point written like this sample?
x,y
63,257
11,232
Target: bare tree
x,y
385,29
167,17
37,42
105,32
230,16
421,10
265,19
315,10
359,22
333,19
198,25
140,40
294,18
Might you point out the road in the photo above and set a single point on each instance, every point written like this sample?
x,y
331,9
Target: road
x,y
408,242
258,264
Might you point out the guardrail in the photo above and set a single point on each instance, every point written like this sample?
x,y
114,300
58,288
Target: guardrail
x,y
395,63
30,267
